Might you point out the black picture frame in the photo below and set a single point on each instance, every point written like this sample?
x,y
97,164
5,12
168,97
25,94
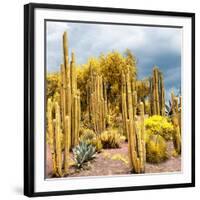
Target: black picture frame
x,y
29,103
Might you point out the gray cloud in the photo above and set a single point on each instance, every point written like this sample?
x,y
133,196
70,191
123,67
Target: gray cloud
x,y
151,45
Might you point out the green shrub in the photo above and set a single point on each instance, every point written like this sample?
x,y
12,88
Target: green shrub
x,y
156,149
160,126
88,136
83,153
110,138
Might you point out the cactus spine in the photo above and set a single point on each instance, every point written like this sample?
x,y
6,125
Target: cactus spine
x,y
136,139
157,93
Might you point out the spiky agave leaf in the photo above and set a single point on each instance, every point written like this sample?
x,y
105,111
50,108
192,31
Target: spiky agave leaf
x,y
83,153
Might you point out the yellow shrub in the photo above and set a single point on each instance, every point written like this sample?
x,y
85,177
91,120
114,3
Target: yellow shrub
x,y
110,138
89,137
160,126
156,149
96,142
87,134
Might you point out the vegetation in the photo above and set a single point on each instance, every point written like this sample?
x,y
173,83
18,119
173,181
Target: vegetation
x,y
101,105
156,149
157,92
176,120
159,125
88,136
135,134
110,138
83,152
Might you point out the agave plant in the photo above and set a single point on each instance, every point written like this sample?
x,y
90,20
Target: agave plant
x,y
83,152
168,109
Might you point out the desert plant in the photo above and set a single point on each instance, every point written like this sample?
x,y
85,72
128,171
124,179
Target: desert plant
x,y
168,109
88,136
135,135
159,125
157,93
110,138
156,149
83,152
176,121
69,96
147,107
96,142
97,100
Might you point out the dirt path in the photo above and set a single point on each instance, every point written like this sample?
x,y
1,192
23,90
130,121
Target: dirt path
x,y
115,162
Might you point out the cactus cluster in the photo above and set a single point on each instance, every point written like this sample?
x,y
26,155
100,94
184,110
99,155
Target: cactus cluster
x,y
176,121
157,93
55,135
64,117
97,101
135,134
70,96
138,97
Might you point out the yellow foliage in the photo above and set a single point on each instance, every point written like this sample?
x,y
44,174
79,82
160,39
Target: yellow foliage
x,y
89,137
156,149
142,88
110,67
159,125
110,138
52,84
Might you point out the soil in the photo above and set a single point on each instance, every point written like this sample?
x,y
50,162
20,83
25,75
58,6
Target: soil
x,y
115,162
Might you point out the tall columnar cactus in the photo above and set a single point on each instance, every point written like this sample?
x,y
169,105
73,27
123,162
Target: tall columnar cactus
x,y
97,99
162,96
141,139
50,130
124,104
157,93
135,133
58,136
180,112
67,144
176,123
70,96
67,114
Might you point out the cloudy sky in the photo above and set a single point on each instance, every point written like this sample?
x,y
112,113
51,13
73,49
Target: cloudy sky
x,y
159,46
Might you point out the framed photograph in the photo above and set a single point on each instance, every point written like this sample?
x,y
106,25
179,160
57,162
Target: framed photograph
x,y
109,99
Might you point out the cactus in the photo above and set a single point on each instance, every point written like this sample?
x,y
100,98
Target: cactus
x,y
180,112
124,104
67,114
97,98
135,134
58,140
67,144
70,96
176,121
157,93
51,133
